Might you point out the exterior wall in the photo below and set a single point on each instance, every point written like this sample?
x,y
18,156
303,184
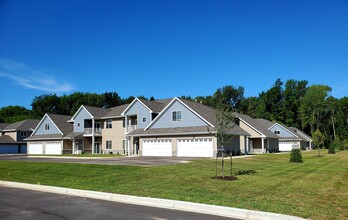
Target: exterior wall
x,y
20,138
283,131
116,134
234,146
188,118
141,111
41,129
87,145
174,141
273,145
80,118
67,147
12,134
248,129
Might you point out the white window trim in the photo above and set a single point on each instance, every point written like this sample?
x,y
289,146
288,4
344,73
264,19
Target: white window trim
x,y
106,145
78,124
108,123
144,119
176,115
47,126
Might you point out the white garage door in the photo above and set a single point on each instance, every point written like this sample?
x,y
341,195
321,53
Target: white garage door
x,y
198,147
53,148
157,148
287,145
35,149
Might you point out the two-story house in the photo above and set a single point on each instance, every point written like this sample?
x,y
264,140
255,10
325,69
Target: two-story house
x,y
13,135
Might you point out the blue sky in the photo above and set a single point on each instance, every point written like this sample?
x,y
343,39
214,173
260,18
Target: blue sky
x,y
168,48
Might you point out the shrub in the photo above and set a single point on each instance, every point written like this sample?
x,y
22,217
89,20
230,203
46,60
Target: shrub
x,y
296,156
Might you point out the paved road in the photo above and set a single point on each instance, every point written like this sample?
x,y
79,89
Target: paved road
x,y
122,160
27,204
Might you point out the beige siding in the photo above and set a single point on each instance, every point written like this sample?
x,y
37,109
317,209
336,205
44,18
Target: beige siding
x,y
12,134
248,129
116,134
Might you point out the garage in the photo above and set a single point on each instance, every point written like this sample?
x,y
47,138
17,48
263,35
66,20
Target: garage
x,y
287,145
53,148
35,148
197,147
157,148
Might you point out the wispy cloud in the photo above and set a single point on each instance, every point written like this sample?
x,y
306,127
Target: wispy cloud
x,y
31,78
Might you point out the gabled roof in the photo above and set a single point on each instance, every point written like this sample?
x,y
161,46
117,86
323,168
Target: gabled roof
x,y
200,108
97,112
3,125
204,111
301,133
116,111
256,125
6,139
25,125
61,121
154,106
265,123
236,130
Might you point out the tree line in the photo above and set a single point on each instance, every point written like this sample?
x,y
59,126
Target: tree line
x,y
294,103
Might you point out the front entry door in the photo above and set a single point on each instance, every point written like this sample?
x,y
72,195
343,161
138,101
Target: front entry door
x,y
97,148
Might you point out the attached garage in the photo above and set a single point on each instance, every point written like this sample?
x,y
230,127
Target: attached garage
x,y
157,148
287,145
35,148
53,148
45,148
198,147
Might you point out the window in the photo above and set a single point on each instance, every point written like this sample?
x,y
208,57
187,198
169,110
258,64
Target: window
x,y
176,115
23,133
47,126
277,132
144,119
108,145
78,124
108,123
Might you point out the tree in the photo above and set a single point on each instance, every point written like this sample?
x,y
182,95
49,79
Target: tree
x,y
229,96
318,140
111,99
295,156
45,104
293,94
313,106
11,114
271,104
224,124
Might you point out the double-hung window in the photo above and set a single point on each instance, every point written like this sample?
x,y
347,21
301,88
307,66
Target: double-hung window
x,y
176,115
47,126
109,124
108,145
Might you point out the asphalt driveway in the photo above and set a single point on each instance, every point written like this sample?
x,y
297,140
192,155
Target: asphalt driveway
x,y
122,160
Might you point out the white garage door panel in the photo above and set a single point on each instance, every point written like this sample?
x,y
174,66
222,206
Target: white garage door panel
x,y
287,146
53,148
157,148
201,147
35,149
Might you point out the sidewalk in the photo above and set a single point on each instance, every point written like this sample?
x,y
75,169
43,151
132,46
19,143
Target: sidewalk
x,y
159,203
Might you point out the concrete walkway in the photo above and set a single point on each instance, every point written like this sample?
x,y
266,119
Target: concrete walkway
x,y
159,203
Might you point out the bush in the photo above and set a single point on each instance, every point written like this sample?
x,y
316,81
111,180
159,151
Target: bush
x,y
331,149
296,156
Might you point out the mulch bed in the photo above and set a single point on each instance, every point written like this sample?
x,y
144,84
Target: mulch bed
x,y
231,178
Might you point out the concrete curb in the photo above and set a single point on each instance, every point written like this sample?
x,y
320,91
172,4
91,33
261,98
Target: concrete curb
x,y
159,203
79,158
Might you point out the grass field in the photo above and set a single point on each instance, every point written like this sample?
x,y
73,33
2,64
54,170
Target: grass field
x,y
316,189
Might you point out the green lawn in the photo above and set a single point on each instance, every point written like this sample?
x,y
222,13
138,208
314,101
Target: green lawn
x,y
316,189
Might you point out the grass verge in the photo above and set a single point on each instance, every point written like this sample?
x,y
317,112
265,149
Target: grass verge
x,y
316,189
